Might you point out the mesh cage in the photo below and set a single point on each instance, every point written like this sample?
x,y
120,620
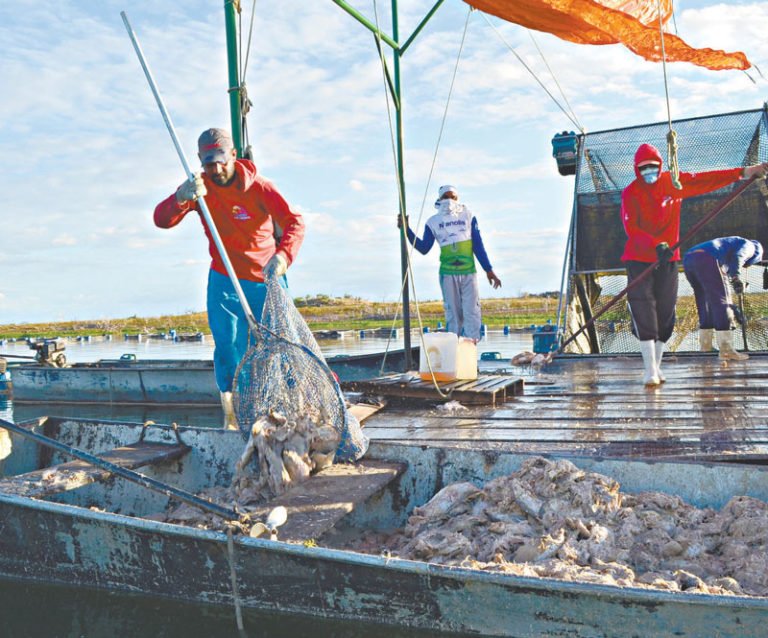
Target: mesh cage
x,y
285,371
613,330
596,272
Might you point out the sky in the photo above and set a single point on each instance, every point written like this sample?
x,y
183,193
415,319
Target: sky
x,y
85,155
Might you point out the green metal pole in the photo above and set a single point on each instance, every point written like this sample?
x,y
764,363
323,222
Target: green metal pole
x,y
236,117
401,183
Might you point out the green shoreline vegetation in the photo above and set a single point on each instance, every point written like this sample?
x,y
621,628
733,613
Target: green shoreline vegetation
x,y
321,312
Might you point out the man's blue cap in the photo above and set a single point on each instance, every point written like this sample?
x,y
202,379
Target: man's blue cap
x,y
215,146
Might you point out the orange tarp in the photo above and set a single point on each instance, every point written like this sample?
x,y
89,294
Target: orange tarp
x,y
633,23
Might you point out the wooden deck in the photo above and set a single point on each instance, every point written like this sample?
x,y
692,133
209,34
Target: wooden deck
x,y
598,406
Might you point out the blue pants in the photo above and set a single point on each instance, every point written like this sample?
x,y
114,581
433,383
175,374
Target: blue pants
x,y
228,324
713,295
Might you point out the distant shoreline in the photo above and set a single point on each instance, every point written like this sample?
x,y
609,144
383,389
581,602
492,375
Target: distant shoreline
x,y
320,312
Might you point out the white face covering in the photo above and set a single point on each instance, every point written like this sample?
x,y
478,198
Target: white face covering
x,y
448,206
650,173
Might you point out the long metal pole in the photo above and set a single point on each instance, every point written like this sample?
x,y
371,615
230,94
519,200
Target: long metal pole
x,y
203,206
401,184
135,477
234,76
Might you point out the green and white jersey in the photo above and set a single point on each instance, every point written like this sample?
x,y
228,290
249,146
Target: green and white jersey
x,y
453,232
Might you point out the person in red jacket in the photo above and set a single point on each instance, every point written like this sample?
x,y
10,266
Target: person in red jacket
x,y
245,208
650,212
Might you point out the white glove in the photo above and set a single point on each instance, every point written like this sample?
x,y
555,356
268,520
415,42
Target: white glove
x,y
190,190
277,265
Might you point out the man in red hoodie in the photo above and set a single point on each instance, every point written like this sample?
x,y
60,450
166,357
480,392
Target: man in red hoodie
x,y
650,212
245,208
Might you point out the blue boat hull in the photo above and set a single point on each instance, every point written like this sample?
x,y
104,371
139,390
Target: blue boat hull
x,y
166,381
109,547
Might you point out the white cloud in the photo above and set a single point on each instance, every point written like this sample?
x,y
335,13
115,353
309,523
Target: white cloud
x,y
98,158
64,240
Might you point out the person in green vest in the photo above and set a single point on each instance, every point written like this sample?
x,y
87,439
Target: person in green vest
x,y
455,229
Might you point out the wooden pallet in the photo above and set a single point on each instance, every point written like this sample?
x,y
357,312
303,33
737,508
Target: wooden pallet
x,y
487,389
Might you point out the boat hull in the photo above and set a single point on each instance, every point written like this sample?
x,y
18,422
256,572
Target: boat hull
x,y
67,542
167,381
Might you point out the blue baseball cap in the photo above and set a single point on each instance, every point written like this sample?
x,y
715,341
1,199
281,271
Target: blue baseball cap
x,y
215,146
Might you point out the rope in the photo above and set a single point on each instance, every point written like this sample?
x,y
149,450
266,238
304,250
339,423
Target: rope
x,y
535,77
233,581
554,79
403,219
674,168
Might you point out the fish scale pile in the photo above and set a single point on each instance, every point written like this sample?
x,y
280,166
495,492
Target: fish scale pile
x,y
286,452
551,519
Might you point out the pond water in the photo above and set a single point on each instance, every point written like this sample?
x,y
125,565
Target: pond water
x,y
507,345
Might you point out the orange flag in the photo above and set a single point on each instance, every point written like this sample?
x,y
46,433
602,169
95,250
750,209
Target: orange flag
x,y
633,23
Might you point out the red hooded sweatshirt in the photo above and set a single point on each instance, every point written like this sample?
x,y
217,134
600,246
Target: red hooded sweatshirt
x,y
651,212
243,213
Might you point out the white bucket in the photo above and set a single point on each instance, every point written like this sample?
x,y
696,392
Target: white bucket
x,y
452,358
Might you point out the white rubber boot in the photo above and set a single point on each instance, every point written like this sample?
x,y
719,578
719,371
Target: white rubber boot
x,y
705,339
648,350
230,422
659,347
725,345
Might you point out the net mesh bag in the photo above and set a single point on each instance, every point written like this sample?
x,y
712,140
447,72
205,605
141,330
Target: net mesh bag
x,y
284,371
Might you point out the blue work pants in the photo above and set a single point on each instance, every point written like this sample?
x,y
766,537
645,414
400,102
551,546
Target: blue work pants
x,y
228,324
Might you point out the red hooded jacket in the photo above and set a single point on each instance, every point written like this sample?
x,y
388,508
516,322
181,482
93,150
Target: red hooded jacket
x,y
651,212
243,213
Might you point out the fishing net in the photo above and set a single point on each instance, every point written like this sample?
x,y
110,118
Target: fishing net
x,y
284,371
595,270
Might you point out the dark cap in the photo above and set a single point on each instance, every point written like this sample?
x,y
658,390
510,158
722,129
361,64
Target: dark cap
x,y
215,145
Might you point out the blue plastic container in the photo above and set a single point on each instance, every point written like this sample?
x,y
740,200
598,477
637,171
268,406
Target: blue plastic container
x,y
545,338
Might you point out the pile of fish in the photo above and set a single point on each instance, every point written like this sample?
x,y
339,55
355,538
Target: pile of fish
x,y
551,519
278,454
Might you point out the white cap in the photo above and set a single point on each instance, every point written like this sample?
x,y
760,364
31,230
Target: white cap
x,y
448,189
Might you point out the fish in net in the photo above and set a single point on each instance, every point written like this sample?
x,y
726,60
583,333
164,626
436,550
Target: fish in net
x,y
284,372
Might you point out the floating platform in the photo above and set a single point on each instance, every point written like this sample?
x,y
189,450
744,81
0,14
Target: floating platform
x,y
488,389
597,406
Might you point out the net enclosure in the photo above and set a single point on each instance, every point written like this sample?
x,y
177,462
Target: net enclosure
x,y
595,272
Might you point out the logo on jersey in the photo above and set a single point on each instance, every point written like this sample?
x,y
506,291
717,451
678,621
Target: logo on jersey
x,y
239,213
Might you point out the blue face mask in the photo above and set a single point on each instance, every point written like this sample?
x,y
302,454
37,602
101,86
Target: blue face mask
x,y
650,173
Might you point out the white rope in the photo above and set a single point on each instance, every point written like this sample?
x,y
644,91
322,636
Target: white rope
x,y
409,252
557,84
535,77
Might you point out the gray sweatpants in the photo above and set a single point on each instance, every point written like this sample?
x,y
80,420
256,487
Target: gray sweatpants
x,y
462,304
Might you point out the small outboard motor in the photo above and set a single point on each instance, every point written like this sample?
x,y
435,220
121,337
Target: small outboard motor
x,y
49,352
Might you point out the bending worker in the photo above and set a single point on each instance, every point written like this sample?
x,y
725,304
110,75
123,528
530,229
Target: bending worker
x,y
650,212
706,266
456,231
244,207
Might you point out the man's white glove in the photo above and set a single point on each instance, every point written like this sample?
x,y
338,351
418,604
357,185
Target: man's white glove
x,y
277,265
190,190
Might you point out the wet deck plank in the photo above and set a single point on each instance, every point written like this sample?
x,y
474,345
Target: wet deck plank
x,y
599,406
318,503
74,474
